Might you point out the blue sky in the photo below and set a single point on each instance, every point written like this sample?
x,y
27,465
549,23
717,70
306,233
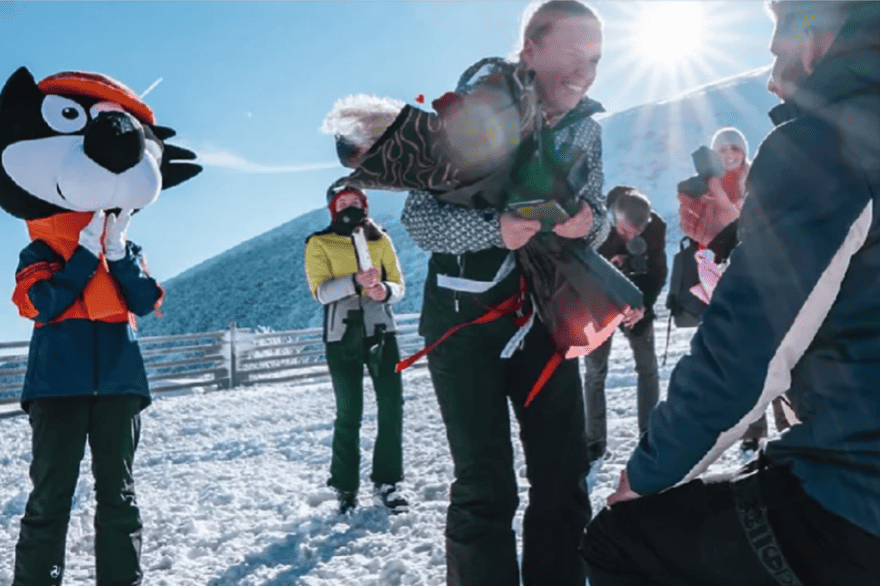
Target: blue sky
x,y
247,84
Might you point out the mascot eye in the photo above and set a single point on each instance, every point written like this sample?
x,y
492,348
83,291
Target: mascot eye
x,y
63,115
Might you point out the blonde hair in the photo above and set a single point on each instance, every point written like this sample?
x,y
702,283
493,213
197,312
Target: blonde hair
x,y
732,136
536,20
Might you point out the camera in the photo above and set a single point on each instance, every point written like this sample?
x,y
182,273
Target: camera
x,y
637,261
707,164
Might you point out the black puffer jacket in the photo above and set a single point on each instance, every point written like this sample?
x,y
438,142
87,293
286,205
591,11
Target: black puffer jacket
x,y
651,281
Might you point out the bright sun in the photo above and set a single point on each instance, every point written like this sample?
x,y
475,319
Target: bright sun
x,y
669,31
666,47
661,49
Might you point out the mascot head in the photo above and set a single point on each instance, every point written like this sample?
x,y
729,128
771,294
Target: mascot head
x,y
82,142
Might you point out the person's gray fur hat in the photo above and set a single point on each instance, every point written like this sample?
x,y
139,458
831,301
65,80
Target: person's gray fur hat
x,y
730,135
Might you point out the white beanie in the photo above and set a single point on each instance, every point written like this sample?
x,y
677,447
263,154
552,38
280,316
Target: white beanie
x,y
730,135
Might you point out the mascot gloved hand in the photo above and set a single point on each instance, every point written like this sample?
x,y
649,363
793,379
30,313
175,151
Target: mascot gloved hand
x,y
79,153
90,236
116,234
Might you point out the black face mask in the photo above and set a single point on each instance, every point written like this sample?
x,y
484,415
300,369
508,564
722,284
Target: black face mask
x,y
348,218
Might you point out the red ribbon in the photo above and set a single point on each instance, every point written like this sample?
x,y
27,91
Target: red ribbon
x,y
548,371
510,305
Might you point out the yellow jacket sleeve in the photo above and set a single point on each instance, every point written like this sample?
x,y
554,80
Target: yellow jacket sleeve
x,y
325,286
317,265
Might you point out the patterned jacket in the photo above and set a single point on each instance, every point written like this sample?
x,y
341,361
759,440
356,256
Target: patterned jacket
x,y
450,229
466,243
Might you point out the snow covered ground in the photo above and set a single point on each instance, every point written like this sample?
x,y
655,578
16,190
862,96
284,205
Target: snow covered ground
x,y
232,491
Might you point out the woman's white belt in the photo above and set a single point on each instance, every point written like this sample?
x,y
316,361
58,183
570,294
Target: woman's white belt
x,y
472,286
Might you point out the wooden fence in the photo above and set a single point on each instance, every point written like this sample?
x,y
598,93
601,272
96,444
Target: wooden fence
x,y
215,360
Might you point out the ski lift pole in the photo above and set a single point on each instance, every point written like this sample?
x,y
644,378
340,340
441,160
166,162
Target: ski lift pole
x,y
233,358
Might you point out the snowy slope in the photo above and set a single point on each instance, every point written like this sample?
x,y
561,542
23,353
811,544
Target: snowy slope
x,y
231,486
261,282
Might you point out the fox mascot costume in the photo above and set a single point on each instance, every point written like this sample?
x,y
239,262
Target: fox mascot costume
x,y
79,154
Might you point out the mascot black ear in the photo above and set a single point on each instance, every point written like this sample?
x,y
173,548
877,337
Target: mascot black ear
x,y
18,96
20,88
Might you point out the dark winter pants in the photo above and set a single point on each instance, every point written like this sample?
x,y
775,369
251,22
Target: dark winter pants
x,y
61,427
693,535
474,388
346,362
648,385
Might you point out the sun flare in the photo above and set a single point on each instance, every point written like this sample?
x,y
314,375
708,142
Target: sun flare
x,y
669,31
667,46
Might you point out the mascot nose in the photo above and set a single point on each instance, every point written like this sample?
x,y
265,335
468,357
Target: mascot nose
x,y
115,141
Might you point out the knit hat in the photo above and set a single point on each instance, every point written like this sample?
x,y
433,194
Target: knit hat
x,y
732,136
333,196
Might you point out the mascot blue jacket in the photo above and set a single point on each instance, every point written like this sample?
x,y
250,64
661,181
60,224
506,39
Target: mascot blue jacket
x,y
81,153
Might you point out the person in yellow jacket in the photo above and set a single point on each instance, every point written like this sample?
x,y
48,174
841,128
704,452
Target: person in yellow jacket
x,y
359,330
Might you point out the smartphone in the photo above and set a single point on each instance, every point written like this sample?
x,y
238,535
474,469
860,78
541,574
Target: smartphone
x,y
547,211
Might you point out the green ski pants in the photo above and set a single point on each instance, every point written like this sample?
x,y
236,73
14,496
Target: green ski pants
x,y
346,361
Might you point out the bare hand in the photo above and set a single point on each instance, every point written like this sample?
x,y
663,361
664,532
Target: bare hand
x,y
618,260
632,316
704,217
377,292
516,231
624,492
368,278
577,226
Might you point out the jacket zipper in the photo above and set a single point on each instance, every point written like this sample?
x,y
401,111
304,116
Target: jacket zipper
x,y
459,258
97,355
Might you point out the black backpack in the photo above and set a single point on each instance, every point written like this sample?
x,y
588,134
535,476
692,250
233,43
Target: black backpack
x,y
685,308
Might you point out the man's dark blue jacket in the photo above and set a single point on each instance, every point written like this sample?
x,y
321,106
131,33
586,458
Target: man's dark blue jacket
x,y
798,308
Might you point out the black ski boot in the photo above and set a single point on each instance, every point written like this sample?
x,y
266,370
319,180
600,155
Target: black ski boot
x,y
388,496
347,501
